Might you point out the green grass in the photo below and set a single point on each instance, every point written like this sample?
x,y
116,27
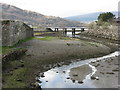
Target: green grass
x,y
53,38
21,41
6,49
11,80
47,38
90,43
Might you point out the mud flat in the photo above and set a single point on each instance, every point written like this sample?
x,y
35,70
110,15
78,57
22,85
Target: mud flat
x,y
46,53
101,72
107,72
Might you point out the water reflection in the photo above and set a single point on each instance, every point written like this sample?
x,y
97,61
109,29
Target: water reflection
x,y
69,34
70,76
67,79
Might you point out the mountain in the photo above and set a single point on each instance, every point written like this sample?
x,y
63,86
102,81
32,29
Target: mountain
x,y
88,17
34,18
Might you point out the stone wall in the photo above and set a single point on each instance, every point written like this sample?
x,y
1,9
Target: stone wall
x,y
13,31
110,33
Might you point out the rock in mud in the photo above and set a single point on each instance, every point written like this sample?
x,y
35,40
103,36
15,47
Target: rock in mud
x,y
80,82
38,81
115,70
68,44
42,75
22,65
110,73
36,85
19,80
102,72
75,75
73,81
93,78
58,65
63,71
68,77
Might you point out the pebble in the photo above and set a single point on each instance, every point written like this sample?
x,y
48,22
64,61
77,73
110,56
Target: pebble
x,y
58,65
115,70
110,73
68,77
39,81
42,75
22,65
80,82
73,81
93,78
63,71
19,80
75,75
102,72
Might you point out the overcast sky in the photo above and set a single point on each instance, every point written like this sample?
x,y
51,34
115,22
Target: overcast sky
x,y
64,8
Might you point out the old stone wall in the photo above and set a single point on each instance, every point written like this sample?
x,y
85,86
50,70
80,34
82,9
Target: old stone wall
x,y
13,31
110,33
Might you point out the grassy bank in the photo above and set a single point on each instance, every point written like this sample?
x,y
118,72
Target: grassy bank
x,y
48,38
7,49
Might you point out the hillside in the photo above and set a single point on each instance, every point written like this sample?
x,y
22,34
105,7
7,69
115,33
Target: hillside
x,y
34,18
87,17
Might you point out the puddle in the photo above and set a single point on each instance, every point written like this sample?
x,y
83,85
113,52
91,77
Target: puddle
x,y
75,75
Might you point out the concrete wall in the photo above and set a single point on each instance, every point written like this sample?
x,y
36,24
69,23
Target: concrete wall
x,y
13,31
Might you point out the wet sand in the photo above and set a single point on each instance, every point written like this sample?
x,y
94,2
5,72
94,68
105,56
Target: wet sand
x,y
80,73
107,73
99,72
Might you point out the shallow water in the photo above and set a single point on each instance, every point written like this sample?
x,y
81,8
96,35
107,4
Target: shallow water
x,y
63,77
69,34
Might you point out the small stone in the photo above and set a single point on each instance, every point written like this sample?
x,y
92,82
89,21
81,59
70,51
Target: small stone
x,y
15,68
115,70
97,78
73,81
63,71
21,61
42,75
36,85
102,72
58,65
68,44
22,65
19,80
80,82
109,72
93,78
75,75
39,81
68,77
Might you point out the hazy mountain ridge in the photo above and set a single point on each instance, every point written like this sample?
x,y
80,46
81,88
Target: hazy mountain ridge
x,y
88,17
34,18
